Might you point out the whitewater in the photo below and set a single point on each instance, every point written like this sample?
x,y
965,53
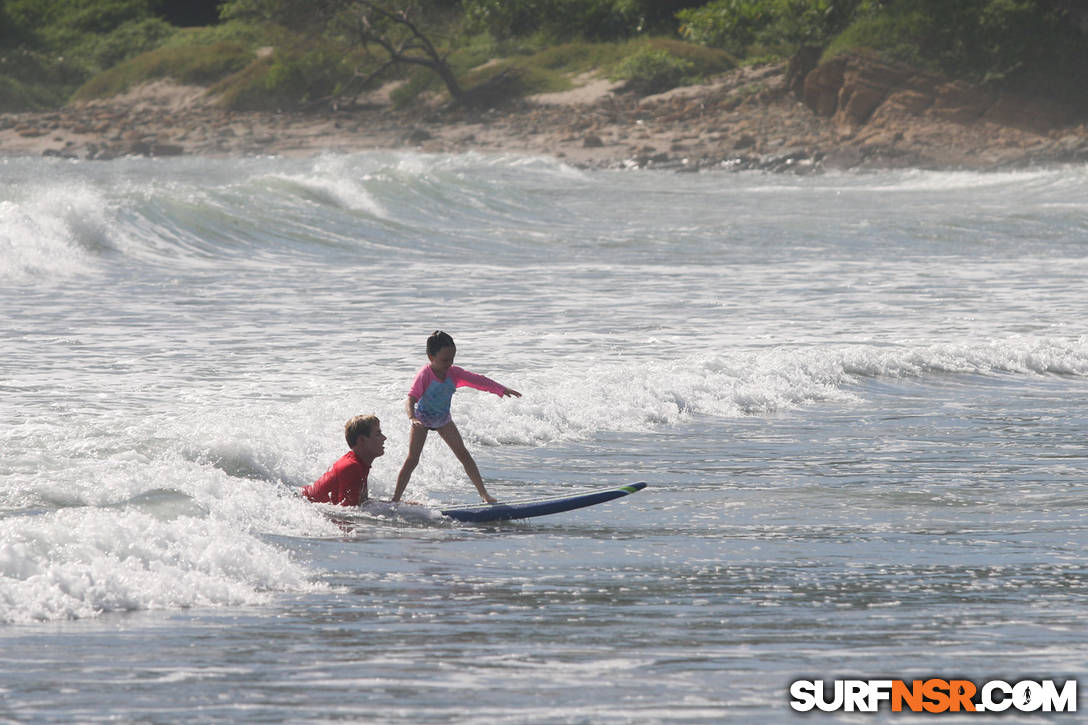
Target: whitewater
x,y
859,401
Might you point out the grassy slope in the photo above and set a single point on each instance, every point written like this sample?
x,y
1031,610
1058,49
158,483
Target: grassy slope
x,y
249,67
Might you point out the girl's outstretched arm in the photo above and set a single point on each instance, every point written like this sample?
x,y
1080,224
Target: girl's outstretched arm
x,y
463,377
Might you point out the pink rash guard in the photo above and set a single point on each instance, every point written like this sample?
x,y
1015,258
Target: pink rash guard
x,y
434,395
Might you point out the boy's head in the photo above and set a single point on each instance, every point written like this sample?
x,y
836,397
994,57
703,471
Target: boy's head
x,y
367,427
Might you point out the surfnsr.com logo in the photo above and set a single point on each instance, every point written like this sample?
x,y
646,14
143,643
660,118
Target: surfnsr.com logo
x,y
933,695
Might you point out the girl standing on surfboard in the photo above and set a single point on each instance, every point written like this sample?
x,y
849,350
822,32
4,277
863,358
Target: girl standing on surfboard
x,y
429,409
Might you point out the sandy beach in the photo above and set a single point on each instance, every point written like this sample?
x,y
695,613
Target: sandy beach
x,y
758,117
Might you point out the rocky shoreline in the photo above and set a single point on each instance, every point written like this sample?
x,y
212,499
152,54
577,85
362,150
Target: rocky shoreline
x,y
854,113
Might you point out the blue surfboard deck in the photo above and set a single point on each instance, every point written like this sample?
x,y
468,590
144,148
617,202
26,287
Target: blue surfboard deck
x,y
537,507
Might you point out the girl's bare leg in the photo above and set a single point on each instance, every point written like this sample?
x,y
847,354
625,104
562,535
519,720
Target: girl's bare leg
x,y
415,448
453,439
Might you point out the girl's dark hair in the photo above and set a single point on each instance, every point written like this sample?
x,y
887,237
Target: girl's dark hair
x,y
437,341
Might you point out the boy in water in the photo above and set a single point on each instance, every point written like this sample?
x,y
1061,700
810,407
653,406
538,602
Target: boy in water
x,y
346,482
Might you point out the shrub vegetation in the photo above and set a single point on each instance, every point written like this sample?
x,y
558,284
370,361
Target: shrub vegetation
x,y
290,53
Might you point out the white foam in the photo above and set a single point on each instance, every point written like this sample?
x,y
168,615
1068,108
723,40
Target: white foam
x,y
110,512
54,231
566,403
334,180
920,180
78,563
1022,355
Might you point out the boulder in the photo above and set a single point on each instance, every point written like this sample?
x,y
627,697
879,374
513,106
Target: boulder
x,y
913,102
961,102
822,87
166,149
865,85
1036,116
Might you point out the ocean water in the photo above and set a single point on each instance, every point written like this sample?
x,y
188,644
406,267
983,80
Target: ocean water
x,y
859,400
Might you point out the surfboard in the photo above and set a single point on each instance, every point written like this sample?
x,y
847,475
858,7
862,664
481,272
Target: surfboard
x,y
529,508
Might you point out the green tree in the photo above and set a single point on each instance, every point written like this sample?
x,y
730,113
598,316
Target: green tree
x,y
401,33
566,19
392,33
737,25
999,40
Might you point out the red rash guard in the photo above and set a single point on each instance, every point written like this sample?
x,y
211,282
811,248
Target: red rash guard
x,y
342,484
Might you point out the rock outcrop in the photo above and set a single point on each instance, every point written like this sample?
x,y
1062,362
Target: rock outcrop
x,y
892,114
855,90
